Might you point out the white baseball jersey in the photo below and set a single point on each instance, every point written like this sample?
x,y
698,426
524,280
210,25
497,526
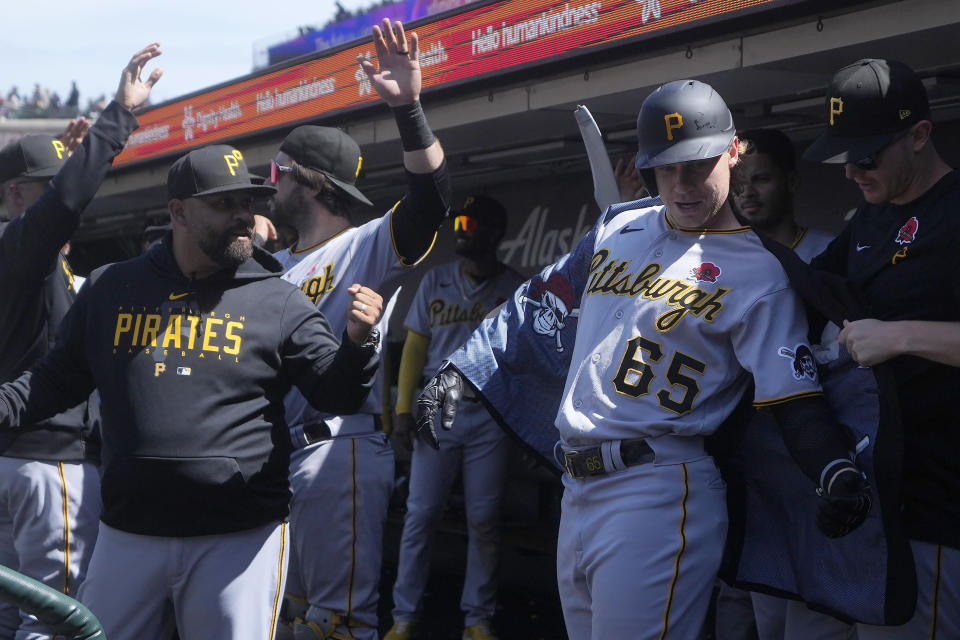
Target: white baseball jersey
x,y
448,306
811,243
365,255
672,321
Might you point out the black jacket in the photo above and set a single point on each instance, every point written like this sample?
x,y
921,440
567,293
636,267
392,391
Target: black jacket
x,y
38,287
192,376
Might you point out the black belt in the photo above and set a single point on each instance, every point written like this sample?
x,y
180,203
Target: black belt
x,y
314,432
589,462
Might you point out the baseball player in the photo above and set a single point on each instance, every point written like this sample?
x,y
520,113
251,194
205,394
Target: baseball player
x,y
676,307
49,500
342,467
764,184
450,302
192,347
895,248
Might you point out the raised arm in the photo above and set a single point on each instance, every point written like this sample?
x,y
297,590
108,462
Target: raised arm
x,y
397,79
31,242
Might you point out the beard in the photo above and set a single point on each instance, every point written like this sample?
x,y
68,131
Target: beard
x,y
226,249
290,210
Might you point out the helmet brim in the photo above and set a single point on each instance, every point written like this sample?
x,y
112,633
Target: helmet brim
x,y
688,151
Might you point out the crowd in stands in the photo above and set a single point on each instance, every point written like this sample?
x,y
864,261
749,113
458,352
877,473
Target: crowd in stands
x,y
45,103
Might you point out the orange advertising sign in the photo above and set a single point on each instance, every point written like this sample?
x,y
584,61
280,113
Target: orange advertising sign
x,y
489,39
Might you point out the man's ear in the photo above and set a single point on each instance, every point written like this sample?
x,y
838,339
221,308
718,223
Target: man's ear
x,y
921,134
177,212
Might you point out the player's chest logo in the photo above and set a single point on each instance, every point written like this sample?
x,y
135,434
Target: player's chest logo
x,y
612,276
905,237
442,314
320,281
706,272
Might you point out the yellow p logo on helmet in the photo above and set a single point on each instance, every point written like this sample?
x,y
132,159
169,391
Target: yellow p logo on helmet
x,y
59,148
233,161
673,121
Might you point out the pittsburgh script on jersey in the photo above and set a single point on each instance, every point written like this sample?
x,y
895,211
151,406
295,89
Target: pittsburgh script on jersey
x,y
612,276
136,327
441,313
319,285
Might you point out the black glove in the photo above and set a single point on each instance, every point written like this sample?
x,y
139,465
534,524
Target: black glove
x,y
845,500
442,393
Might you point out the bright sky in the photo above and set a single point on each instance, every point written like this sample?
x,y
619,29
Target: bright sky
x,y
204,42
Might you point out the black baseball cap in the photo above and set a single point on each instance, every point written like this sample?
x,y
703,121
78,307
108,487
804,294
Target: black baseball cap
x,y
330,152
488,211
33,156
869,103
218,168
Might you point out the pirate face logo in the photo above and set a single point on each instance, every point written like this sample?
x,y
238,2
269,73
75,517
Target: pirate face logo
x,y
908,232
801,358
553,301
706,272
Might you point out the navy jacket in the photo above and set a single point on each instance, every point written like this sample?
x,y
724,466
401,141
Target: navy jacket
x,y
38,287
192,376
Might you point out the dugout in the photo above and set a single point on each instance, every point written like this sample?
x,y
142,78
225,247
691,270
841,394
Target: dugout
x,y
502,79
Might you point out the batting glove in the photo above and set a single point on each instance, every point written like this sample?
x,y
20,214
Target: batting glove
x,y
845,499
443,394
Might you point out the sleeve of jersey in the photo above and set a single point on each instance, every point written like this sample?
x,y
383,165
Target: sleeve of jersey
x,y
333,376
418,215
770,342
418,316
32,241
60,380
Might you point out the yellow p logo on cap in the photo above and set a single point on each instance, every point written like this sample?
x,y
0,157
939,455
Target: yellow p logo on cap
x,y
359,165
673,121
59,148
836,108
233,161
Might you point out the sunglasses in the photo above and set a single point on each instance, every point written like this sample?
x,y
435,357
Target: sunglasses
x,y
276,170
872,161
465,223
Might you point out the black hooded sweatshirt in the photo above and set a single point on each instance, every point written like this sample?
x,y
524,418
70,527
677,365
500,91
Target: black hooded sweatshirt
x,y
37,283
192,376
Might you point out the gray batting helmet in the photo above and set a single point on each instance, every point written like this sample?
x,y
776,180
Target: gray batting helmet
x,y
681,121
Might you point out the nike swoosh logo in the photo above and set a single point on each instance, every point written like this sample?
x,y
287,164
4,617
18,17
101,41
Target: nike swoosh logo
x,y
861,247
630,229
177,296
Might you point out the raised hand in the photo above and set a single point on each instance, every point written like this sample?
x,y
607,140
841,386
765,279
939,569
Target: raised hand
x,y
396,76
133,91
